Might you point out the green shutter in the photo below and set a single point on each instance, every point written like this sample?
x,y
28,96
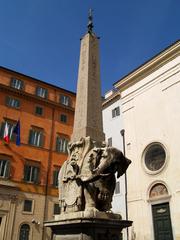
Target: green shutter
x,y
26,170
36,176
31,133
57,143
42,138
55,178
17,103
2,129
7,173
22,85
46,93
7,100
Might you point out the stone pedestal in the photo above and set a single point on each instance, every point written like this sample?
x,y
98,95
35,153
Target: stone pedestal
x,y
85,226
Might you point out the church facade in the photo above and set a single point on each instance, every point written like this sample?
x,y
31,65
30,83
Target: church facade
x,y
150,111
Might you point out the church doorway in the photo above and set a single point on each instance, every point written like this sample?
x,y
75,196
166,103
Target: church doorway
x,y
159,196
162,222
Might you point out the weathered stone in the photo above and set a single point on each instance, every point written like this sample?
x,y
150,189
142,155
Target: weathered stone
x,y
88,114
80,227
87,179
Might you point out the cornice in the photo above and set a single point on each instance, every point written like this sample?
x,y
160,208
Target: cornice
x,y
147,68
20,75
21,93
111,99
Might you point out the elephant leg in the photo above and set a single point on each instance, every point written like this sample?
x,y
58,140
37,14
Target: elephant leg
x,y
90,196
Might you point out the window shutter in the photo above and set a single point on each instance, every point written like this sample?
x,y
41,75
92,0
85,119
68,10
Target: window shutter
x,y
46,93
42,138
37,171
26,169
7,100
31,133
22,85
17,103
12,82
113,113
2,130
55,178
118,111
7,173
67,145
57,143
69,101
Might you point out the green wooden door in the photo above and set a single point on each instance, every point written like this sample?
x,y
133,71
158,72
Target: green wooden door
x,y
162,222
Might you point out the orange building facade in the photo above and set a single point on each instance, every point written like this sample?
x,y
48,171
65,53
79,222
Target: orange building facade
x,y
28,173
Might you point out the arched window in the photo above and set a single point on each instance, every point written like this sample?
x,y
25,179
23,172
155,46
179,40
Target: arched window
x,y
24,232
158,190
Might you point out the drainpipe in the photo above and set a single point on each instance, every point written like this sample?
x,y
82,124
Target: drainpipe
x,y
126,204
48,171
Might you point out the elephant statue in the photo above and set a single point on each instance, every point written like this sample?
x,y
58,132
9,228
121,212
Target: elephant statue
x,y
87,179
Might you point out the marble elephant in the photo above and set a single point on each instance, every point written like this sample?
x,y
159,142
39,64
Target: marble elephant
x,y
99,187
87,179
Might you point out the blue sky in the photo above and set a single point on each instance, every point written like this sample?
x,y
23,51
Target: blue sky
x,y
40,38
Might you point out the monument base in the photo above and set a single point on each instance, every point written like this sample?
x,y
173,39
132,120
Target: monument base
x,y
99,226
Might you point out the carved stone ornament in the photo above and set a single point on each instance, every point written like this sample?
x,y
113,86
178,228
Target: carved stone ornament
x,y
158,190
87,178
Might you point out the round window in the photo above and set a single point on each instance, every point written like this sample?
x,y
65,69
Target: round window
x,y
155,156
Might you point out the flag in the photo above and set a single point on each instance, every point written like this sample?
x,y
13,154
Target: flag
x,y
17,132
6,133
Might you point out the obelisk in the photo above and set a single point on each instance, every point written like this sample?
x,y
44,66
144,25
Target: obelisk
x,y
87,180
88,114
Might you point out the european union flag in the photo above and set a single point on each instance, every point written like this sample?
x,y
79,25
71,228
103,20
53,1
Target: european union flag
x,y
17,132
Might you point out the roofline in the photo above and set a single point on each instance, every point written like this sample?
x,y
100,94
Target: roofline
x,y
37,80
146,67
111,99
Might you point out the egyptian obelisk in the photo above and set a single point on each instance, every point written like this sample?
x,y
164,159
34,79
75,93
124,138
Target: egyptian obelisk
x,y
86,180
88,114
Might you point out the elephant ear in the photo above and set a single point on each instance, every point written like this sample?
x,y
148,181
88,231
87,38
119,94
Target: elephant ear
x,y
123,165
119,172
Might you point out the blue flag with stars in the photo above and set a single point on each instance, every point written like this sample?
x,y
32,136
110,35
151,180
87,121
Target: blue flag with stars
x,y
17,132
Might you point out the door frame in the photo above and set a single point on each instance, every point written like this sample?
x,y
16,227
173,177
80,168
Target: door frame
x,y
3,214
156,201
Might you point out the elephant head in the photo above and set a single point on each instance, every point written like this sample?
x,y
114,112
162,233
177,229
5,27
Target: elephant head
x,y
111,161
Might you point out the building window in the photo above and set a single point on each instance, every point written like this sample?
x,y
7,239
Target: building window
x,y
110,142
12,102
39,110
116,112
41,92
17,83
36,137
11,125
65,100
24,232
55,177
117,188
31,173
63,118
61,144
4,168
155,157
56,209
28,206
